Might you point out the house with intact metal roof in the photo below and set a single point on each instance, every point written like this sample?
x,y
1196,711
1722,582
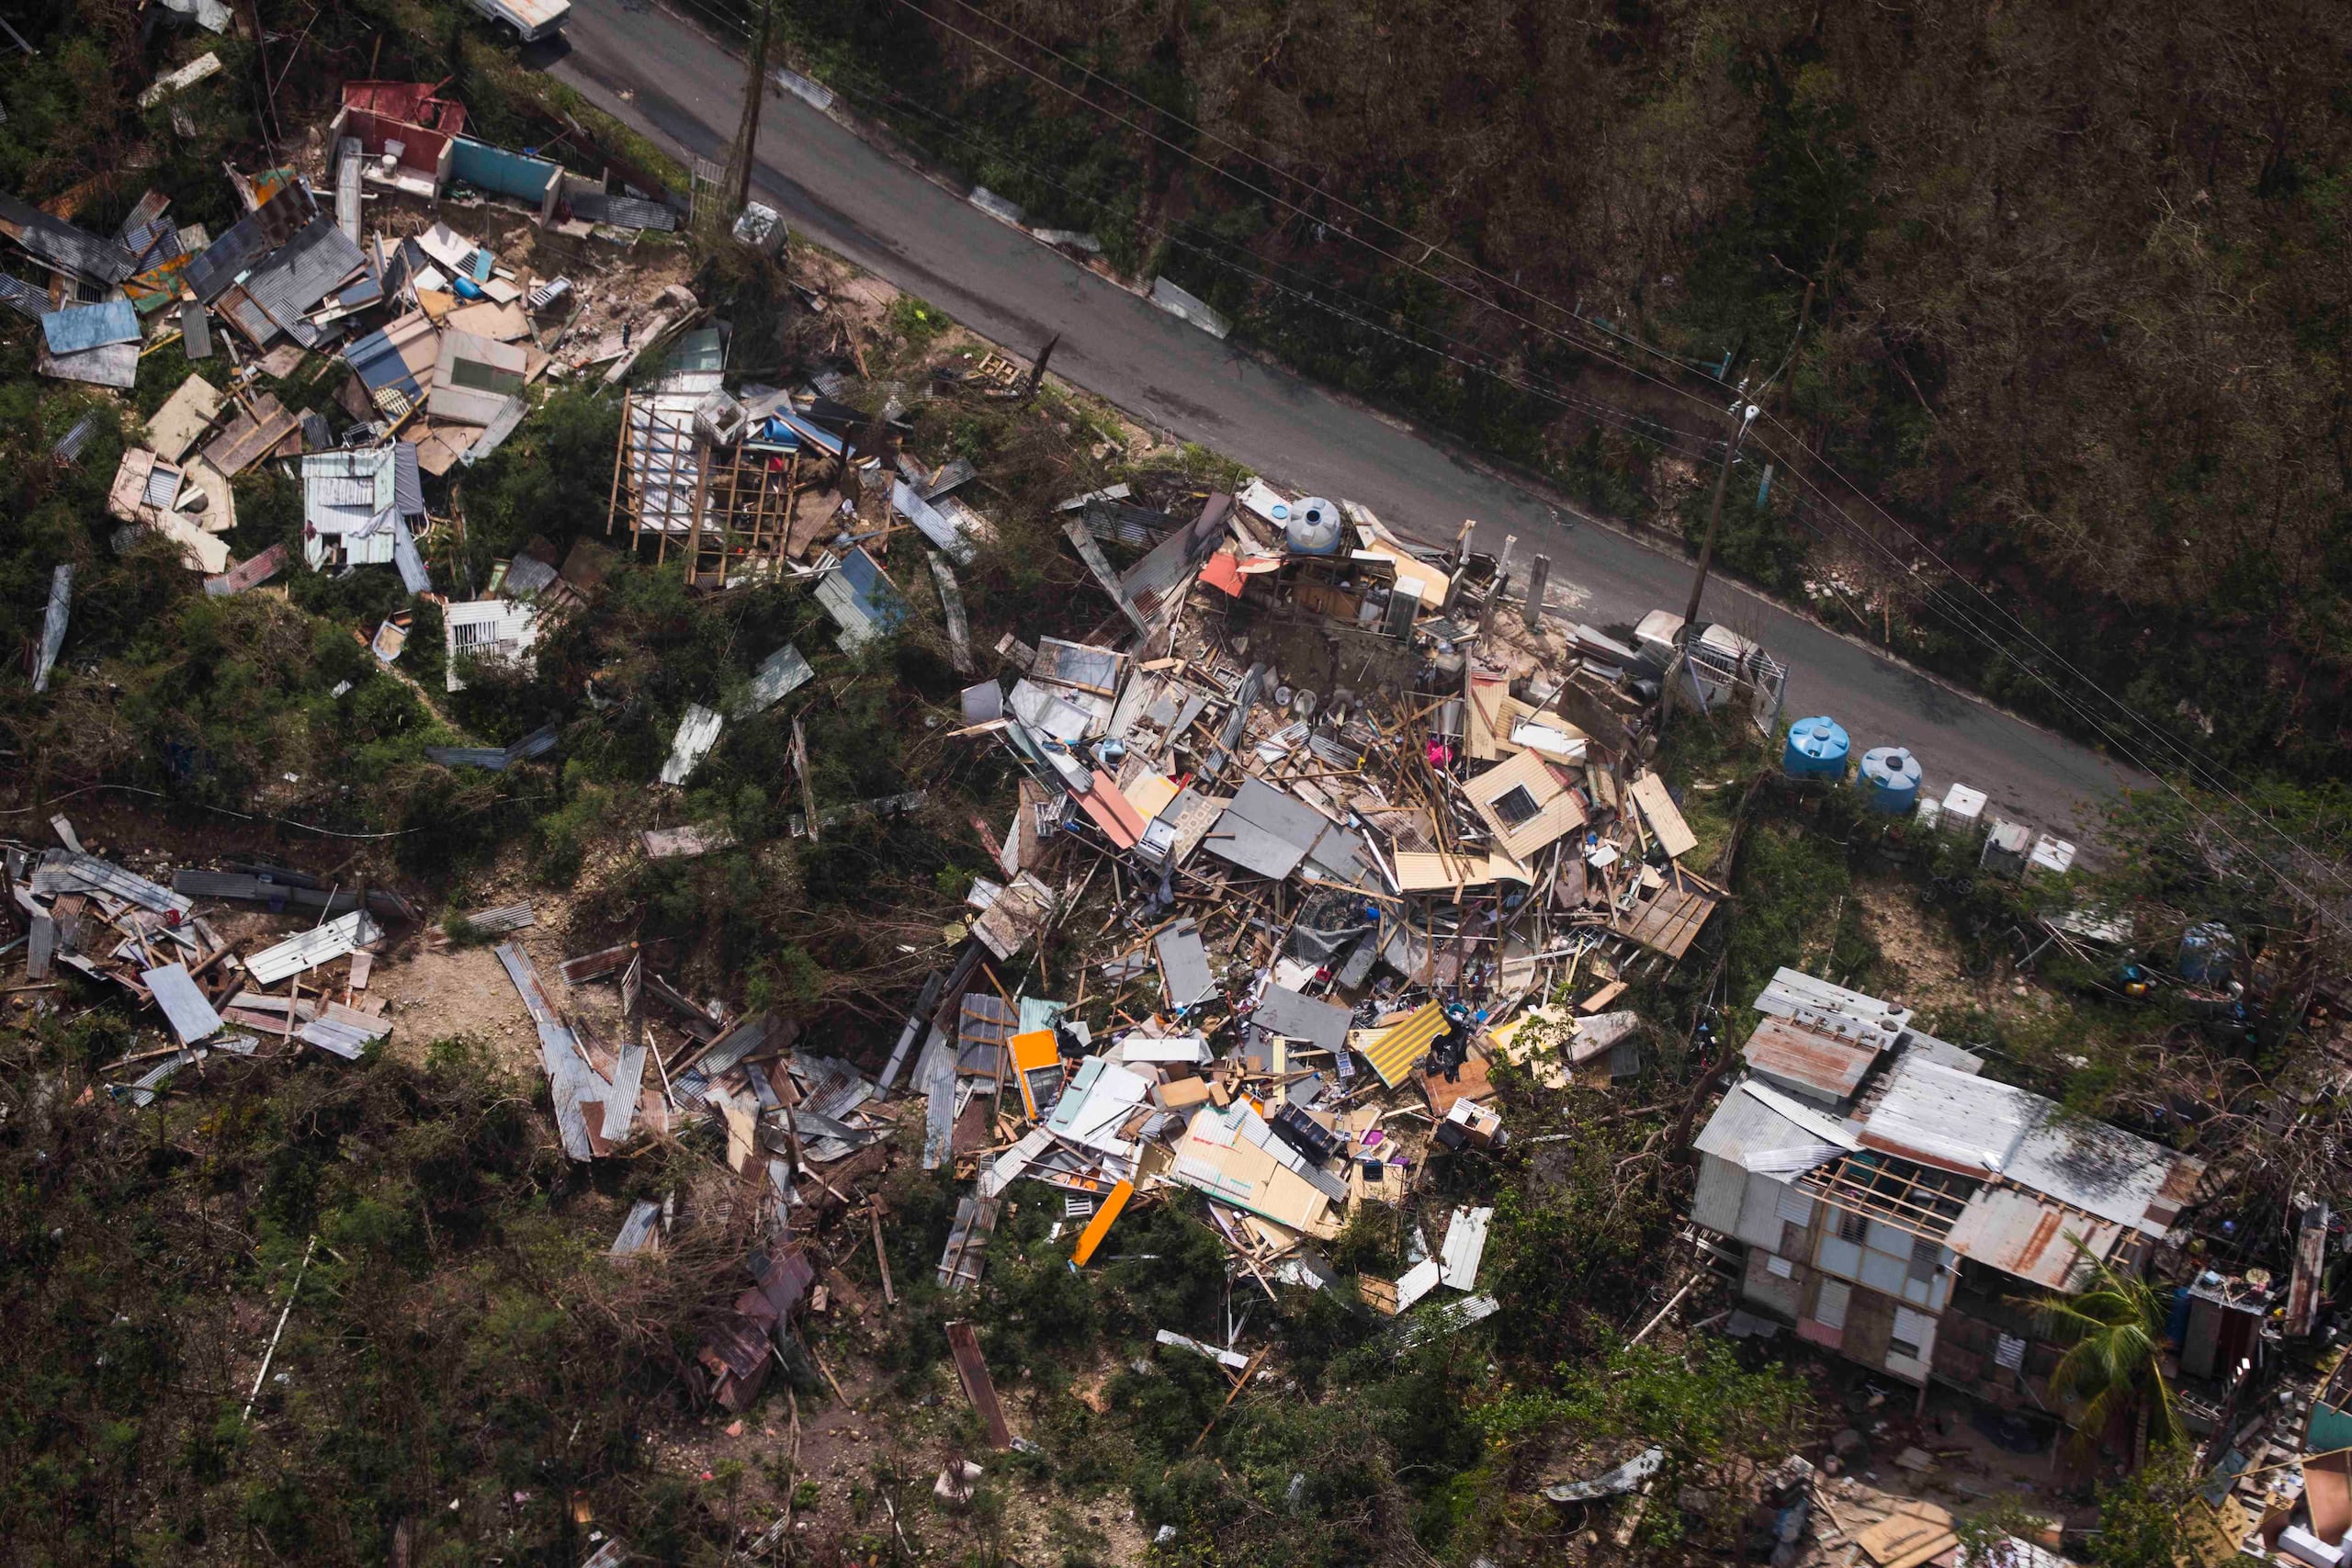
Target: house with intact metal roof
x,y
1882,1198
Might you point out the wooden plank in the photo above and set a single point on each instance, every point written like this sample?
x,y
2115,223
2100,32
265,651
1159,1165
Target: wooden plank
x,y
1659,810
970,1367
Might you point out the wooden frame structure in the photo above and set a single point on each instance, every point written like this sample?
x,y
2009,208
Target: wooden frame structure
x,y
727,508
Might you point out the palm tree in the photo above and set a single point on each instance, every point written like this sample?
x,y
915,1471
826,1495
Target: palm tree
x,y
2114,1330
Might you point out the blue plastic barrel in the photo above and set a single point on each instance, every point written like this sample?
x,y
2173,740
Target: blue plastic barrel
x,y
1817,750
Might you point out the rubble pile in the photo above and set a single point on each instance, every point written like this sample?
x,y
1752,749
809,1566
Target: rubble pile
x,y
440,334
86,913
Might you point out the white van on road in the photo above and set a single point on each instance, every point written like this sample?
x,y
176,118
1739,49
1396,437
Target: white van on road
x,y
528,20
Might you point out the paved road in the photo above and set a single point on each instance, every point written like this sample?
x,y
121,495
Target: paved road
x,y
656,71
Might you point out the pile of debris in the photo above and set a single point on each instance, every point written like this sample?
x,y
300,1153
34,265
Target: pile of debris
x,y
1356,839
440,336
119,929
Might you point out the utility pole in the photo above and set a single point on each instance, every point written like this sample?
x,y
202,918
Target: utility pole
x,y
737,188
1037,369
1743,415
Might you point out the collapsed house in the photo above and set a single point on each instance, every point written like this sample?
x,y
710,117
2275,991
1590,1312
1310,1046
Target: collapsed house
x,y
1877,1194
441,337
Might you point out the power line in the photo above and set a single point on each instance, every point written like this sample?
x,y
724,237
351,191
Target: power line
x,y
2186,754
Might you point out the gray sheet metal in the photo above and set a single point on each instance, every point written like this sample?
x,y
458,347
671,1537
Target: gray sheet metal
x,y
52,626
1252,848
1296,1017
189,1010
195,332
305,270
413,577
26,299
63,871
621,211
339,1039
637,1231
1184,965
779,675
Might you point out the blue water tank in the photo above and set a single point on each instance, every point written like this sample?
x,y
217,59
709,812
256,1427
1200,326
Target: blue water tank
x,y
2206,954
1817,750
1889,780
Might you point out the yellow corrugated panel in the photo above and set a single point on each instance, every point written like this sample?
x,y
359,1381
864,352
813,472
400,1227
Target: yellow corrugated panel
x,y
1401,1044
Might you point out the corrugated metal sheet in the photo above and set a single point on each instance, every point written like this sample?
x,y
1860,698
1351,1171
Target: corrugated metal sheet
x,y
1464,1245
1828,1066
77,251
247,315
1949,1120
69,445
195,332
698,733
248,240
53,624
152,243
2100,1170
933,523
1394,1050
68,870
311,948
79,327
623,212
304,271
24,297
405,556
2027,1235
1749,1131
188,1007
780,674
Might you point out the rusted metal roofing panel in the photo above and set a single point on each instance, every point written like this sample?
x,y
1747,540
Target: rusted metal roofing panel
x,y
246,574
1830,1067
61,244
2031,1237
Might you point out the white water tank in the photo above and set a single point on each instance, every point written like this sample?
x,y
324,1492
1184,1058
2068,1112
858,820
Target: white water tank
x,y
1313,527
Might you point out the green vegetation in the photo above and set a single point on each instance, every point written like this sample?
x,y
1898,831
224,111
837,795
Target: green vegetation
x,y
458,1364
2114,1333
